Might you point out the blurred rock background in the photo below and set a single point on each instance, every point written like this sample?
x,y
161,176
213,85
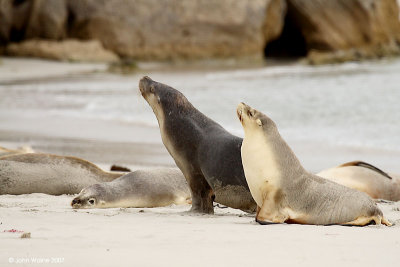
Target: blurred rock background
x,y
321,30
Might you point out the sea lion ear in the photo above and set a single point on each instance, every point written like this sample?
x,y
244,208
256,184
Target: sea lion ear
x,y
259,122
102,202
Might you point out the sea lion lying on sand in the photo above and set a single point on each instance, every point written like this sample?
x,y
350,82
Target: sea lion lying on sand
x,y
49,174
138,189
21,150
285,192
366,178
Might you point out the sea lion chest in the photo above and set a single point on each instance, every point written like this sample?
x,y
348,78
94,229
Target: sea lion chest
x,y
260,167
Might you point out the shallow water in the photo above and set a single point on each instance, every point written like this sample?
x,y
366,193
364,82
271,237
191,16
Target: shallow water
x,y
354,104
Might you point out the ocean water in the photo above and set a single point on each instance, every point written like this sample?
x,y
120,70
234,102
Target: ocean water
x,y
352,104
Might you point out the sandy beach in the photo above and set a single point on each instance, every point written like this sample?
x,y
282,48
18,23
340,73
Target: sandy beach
x,y
160,236
170,236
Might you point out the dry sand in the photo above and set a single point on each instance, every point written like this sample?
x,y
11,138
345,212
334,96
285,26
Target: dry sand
x,y
171,237
167,236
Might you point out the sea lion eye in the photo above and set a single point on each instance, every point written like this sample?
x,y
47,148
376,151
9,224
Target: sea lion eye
x,y
249,113
91,201
152,89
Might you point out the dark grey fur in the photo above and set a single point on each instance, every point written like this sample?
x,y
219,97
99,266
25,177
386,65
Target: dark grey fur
x,y
206,153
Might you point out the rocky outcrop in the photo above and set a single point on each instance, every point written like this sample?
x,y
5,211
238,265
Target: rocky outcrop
x,y
47,20
370,26
22,20
6,20
152,29
274,20
189,29
67,50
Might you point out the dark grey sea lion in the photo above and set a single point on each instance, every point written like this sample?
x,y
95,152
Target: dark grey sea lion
x,y
208,155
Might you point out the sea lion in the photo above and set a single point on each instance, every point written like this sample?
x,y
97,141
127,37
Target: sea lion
x,y
285,192
138,189
207,155
21,150
48,174
366,178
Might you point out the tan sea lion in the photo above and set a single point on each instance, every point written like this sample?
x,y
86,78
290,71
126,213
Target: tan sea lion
x,y
138,189
48,174
21,150
285,192
366,178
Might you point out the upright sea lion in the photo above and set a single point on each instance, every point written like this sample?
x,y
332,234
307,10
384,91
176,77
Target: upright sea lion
x,y
366,178
206,153
285,192
138,189
48,174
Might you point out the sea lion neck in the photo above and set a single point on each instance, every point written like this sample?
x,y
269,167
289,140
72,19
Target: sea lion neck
x,y
269,139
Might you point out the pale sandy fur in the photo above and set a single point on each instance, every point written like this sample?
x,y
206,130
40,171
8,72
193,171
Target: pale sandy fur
x,y
139,189
253,152
285,191
49,174
21,150
365,180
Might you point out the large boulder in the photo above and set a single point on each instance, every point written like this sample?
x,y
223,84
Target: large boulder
x,y
153,29
48,19
333,25
5,21
66,50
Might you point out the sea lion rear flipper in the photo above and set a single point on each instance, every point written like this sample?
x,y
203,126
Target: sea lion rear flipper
x,y
366,165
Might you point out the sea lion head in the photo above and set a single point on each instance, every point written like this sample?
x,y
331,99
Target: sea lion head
x,y
253,119
163,98
90,197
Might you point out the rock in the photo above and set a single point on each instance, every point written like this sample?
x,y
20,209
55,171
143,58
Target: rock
x,y
274,20
6,21
47,20
335,25
26,235
13,20
316,57
67,50
169,29
20,14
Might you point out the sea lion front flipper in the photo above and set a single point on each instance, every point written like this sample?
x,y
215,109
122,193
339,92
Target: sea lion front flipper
x,y
269,214
202,194
386,222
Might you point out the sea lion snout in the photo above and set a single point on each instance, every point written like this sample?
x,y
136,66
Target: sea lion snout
x,y
242,110
76,203
145,84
